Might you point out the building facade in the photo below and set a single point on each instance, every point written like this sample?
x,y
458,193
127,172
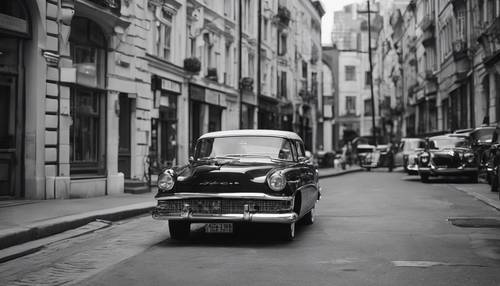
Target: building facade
x,y
97,94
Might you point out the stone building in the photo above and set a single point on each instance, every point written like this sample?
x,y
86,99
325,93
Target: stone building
x,y
96,93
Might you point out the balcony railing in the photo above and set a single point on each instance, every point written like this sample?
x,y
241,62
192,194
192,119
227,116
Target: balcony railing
x,y
113,5
427,22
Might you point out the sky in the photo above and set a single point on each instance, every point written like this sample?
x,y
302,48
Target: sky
x,y
327,20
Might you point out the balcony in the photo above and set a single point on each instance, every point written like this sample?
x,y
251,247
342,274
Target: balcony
x,y
246,84
490,42
428,38
461,58
283,17
427,22
113,5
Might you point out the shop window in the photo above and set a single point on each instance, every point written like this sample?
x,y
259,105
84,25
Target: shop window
x,y
87,105
167,131
350,73
350,105
247,115
214,118
87,132
88,46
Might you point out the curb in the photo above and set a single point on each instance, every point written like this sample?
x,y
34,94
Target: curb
x,y
18,235
340,173
492,203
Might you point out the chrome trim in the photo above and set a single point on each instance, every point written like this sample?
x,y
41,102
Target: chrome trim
x,y
248,217
260,196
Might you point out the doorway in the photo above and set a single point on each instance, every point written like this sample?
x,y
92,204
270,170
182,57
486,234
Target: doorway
x,y
9,136
124,144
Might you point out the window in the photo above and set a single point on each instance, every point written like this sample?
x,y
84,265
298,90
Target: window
x,y
228,9
164,35
282,44
214,118
251,65
350,73
461,24
350,105
87,105
87,132
282,85
247,112
265,28
368,78
368,107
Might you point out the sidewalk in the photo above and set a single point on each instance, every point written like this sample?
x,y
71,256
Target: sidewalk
x,y
481,192
26,220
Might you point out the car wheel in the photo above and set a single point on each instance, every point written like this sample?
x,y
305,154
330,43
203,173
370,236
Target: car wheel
x,y
286,231
494,182
179,230
424,178
308,219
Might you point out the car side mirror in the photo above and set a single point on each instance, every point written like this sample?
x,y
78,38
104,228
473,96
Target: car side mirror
x,y
303,159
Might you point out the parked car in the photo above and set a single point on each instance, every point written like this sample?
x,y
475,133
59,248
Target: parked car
x,y
240,176
376,157
481,138
493,161
326,159
449,155
407,152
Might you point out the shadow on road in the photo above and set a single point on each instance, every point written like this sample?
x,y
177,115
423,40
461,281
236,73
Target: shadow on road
x,y
245,235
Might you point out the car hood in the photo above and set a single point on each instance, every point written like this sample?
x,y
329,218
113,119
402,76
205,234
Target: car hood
x,y
227,177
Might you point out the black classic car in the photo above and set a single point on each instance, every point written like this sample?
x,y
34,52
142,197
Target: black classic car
x,y
493,163
237,177
448,155
480,139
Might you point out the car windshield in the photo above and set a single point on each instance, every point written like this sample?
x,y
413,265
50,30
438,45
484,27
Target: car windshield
x,y
445,143
483,135
413,145
245,146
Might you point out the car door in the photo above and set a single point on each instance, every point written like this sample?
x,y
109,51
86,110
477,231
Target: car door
x,y
308,179
398,157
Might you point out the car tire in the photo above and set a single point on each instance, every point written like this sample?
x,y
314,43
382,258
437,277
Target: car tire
x,y
286,231
424,178
494,182
308,219
179,230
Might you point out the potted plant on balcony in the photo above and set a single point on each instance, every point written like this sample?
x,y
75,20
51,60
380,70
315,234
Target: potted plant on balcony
x,y
284,15
247,83
192,65
212,74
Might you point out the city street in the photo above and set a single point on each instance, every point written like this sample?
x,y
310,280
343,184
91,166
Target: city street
x,y
372,228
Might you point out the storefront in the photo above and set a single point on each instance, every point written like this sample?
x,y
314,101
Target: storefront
x,y
87,134
164,141
268,113
14,31
205,111
248,105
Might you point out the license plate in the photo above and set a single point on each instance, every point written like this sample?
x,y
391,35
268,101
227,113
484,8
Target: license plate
x,y
219,228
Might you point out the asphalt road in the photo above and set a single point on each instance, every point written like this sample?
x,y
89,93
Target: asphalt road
x,y
372,228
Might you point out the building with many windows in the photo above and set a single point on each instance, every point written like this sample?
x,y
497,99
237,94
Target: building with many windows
x,y
96,95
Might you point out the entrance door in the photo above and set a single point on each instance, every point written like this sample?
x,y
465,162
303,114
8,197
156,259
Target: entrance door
x,y
124,136
9,153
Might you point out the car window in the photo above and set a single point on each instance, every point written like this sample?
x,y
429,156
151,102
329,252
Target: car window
x,y
245,146
300,149
483,135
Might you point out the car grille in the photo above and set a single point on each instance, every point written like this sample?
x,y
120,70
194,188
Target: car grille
x,y
219,207
448,162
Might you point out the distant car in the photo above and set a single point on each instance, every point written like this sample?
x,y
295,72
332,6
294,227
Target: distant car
x,y
407,152
326,159
481,138
376,157
448,155
493,162
240,176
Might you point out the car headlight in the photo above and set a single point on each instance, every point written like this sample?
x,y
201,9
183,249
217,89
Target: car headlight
x,y
277,182
165,181
469,157
424,158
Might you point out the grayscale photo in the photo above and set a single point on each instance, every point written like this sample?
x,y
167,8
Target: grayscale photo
x,y
250,142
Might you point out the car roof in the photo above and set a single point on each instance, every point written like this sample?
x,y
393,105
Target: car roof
x,y
447,136
253,132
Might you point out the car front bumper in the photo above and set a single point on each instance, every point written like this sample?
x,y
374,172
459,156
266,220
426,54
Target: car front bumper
x,y
247,212
435,171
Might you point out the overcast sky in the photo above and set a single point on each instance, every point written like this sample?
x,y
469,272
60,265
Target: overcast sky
x,y
327,20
